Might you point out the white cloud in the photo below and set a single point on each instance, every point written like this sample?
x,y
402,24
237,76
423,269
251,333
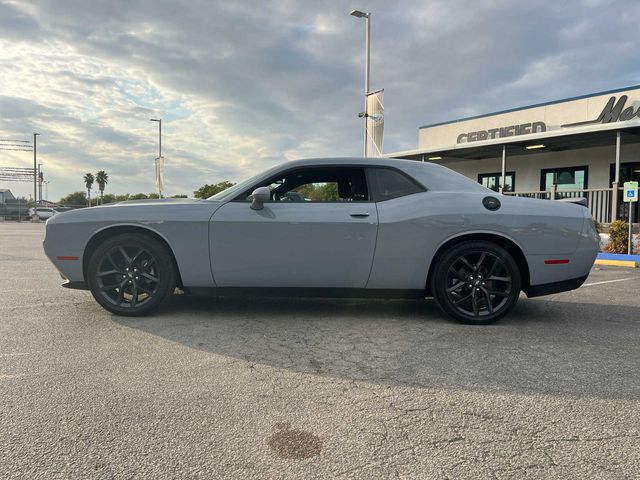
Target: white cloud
x,y
243,85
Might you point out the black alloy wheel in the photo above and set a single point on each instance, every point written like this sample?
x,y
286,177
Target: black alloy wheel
x,y
476,282
131,274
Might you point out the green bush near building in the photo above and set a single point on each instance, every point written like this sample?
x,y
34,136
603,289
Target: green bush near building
x,y
619,234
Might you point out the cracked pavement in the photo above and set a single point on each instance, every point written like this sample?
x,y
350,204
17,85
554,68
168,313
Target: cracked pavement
x,y
313,388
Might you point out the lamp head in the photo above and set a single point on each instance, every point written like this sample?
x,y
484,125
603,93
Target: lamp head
x,y
359,14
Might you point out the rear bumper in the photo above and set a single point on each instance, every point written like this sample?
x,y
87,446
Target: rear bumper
x,y
555,287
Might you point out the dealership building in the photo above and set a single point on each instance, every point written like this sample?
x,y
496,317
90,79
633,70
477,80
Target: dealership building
x,y
585,146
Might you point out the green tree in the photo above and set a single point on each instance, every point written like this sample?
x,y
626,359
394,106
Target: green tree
x,y
75,199
207,190
88,181
139,196
108,198
307,191
102,179
327,192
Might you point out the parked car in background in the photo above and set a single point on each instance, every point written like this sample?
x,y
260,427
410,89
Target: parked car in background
x,y
43,213
62,209
386,228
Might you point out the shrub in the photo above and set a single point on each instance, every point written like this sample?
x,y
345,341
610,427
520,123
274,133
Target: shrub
x,y
619,233
598,226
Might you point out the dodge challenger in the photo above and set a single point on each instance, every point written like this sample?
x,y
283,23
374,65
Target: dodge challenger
x,y
350,227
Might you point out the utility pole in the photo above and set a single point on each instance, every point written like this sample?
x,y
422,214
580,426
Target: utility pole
x,y
40,183
35,170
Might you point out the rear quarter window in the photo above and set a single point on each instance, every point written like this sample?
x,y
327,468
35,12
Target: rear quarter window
x,y
388,183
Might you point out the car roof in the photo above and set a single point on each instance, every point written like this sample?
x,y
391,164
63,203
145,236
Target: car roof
x,y
431,175
369,161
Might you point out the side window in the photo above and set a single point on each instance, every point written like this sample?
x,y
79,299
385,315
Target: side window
x,y
387,183
321,184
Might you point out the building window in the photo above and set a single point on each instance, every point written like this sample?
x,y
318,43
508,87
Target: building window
x,y
629,172
492,181
565,178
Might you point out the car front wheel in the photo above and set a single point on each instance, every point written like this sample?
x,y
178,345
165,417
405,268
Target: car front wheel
x,y
476,282
131,274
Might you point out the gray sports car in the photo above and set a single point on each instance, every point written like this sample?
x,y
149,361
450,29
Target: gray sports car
x,y
331,227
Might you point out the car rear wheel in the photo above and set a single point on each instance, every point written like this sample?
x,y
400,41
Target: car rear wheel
x,y
476,282
131,274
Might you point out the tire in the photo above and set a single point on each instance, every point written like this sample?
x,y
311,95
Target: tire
x,y
476,282
131,274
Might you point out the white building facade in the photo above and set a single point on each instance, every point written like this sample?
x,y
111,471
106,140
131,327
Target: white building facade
x,y
582,146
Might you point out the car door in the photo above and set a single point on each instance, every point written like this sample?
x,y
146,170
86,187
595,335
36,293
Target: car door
x,y
325,241
43,213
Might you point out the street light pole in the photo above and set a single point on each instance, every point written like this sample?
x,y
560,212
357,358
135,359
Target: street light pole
x,y
40,183
159,120
35,170
367,46
159,159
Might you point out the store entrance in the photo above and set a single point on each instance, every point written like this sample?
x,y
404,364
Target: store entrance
x,y
629,172
492,181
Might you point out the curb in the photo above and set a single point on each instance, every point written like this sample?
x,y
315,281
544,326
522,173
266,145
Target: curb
x,y
618,260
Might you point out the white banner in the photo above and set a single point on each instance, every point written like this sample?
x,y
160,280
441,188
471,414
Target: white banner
x,y
375,123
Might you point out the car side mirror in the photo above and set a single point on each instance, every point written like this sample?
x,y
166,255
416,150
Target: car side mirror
x,y
259,196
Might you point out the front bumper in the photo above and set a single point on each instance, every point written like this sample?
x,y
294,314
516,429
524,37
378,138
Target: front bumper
x,y
62,250
75,285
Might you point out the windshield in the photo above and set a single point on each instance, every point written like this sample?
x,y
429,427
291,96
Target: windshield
x,y
231,192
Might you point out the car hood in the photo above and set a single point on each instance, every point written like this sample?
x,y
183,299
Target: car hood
x,y
153,201
137,210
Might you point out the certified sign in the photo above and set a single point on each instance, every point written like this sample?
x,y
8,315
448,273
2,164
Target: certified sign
x,y
630,191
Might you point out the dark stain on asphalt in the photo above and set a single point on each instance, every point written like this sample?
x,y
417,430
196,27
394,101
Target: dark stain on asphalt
x,y
317,366
295,444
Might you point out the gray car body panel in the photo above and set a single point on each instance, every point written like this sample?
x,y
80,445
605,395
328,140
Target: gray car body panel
x,y
182,224
413,228
297,244
306,244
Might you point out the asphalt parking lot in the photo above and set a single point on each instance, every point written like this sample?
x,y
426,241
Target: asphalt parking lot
x,y
313,388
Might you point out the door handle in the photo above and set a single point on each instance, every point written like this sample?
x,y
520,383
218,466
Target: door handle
x,y
360,215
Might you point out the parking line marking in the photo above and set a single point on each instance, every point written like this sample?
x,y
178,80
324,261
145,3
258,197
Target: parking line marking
x,y
606,281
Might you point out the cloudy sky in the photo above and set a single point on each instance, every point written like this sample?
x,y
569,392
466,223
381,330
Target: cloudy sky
x,y
243,85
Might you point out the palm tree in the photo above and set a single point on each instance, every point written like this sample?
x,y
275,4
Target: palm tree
x,y
102,179
88,181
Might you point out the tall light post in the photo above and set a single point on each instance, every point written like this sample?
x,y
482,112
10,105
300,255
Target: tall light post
x,y
159,159
46,189
35,170
40,178
367,44
159,120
